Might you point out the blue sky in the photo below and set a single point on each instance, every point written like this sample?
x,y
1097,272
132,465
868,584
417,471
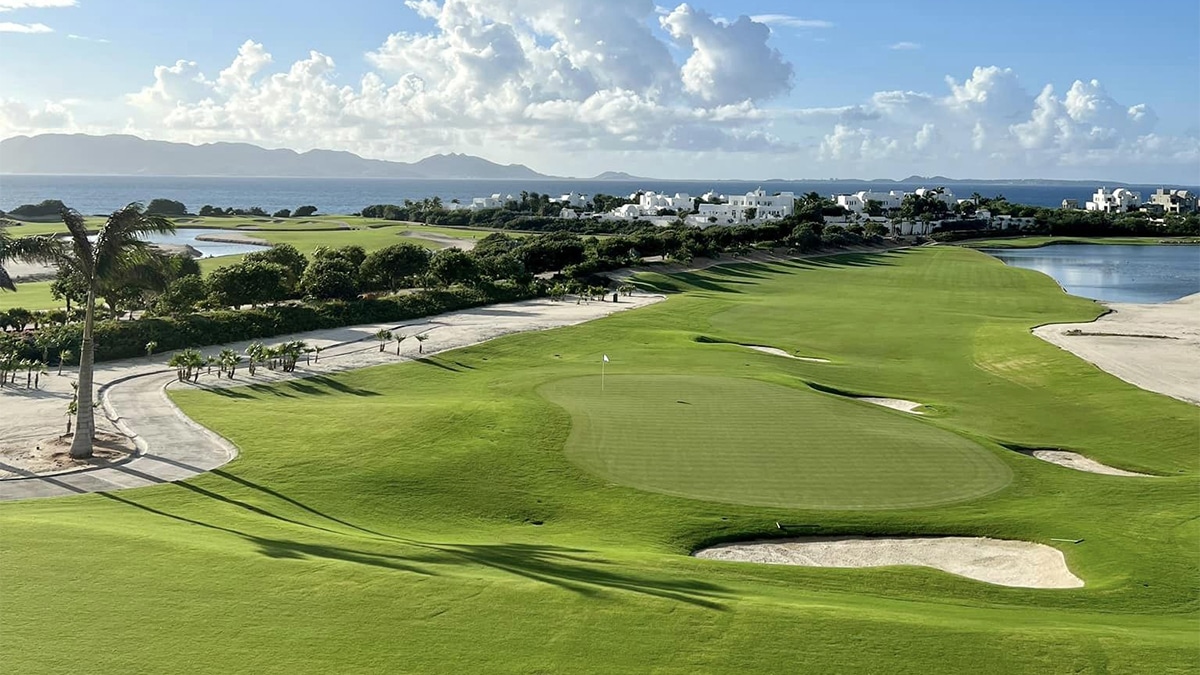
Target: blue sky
x,y
711,109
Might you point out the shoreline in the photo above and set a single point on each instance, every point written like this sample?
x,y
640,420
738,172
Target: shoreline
x,y
1153,346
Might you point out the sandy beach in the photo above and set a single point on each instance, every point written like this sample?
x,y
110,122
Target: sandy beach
x,y
1152,346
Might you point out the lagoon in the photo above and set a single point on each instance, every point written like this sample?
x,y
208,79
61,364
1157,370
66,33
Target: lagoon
x,y
1114,273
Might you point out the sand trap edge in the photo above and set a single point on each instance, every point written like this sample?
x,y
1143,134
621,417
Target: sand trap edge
x,y
1002,562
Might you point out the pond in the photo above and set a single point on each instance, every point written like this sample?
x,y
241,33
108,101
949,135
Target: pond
x,y
1114,273
187,236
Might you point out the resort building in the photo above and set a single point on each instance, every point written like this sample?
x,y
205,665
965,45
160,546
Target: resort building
x,y
857,202
1115,201
941,194
627,212
572,201
1071,204
1173,201
651,203
767,206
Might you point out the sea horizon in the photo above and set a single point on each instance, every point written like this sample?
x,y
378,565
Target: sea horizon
x,y
94,194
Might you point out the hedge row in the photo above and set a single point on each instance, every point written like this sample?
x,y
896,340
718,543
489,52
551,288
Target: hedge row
x,y
127,339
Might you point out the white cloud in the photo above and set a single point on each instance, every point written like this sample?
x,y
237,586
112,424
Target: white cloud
x,y
791,21
10,27
905,46
87,39
569,85
9,5
17,117
729,62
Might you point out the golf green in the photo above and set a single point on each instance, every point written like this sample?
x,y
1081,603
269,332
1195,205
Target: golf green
x,y
750,442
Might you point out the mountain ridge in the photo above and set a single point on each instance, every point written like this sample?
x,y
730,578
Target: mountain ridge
x,y
127,155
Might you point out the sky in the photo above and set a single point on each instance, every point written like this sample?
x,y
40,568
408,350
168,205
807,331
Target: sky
x,y
749,89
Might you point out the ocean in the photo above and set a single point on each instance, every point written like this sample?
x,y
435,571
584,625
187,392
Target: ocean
x,y
104,194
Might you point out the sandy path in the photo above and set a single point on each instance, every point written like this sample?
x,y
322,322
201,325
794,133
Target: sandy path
x,y
775,351
1169,364
442,240
233,238
894,403
1078,462
994,561
133,391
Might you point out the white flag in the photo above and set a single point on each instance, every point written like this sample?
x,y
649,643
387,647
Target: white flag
x,y
606,358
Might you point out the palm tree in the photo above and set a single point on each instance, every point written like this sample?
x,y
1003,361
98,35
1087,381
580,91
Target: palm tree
x,y
117,252
384,336
400,338
421,338
7,252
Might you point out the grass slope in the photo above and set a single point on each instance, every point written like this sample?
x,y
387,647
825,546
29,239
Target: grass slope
x,y
425,518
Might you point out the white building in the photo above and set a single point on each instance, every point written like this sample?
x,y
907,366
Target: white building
x,y
857,202
627,212
767,207
572,201
1116,201
568,214
651,203
941,194
494,202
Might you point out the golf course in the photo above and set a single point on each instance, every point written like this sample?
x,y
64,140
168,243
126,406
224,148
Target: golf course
x,y
532,503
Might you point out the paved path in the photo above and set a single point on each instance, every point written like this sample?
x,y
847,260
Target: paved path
x,y
172,447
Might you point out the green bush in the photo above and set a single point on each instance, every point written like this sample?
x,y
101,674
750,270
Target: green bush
x,y
127,339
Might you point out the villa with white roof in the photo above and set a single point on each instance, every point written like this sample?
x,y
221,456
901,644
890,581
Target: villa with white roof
x,y
1116,201
765,206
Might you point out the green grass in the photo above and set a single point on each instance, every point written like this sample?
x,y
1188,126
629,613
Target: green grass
x,y
428,517
688,436
1039,241
33,295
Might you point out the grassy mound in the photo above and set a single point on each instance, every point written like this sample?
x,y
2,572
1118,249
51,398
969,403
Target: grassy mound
x,y
749,442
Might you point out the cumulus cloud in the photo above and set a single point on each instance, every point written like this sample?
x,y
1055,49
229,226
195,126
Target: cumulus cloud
x,y
730,62
17,117
526,80
518,73
791,21
10,27
9,5
992,118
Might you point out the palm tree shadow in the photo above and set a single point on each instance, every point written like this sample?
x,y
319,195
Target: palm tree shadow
x,y
567,568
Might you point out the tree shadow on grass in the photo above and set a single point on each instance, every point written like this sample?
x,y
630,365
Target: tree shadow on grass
x,y
339,386
431,361
567,568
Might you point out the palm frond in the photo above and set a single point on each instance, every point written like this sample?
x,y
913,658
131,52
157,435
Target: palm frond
x,y
6,281
84,250
120,247
45,249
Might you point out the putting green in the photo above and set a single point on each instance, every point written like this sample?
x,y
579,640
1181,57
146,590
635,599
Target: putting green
x,y
749,442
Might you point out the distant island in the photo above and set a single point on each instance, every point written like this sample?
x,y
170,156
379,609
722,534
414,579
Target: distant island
x,y
121,155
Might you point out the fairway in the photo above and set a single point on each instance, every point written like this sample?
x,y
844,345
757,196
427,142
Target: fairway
x,y
748,442
489,506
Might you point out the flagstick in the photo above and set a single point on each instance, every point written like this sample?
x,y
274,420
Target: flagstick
x,y
602,364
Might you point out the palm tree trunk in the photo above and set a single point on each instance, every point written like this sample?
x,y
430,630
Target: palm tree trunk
x,y
85,420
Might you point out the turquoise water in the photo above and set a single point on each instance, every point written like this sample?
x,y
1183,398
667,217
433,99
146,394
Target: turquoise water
x,y
187,236
1114,273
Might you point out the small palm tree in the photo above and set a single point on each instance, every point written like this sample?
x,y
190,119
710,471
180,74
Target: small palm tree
x,y
384,336
421,338
256,352
150,347
118,252
63,356
400,338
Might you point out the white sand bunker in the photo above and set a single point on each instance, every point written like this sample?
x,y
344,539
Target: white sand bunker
x,y
893,403
780,352
1074,460
995,561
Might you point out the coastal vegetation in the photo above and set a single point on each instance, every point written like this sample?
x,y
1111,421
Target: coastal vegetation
x,y
453,500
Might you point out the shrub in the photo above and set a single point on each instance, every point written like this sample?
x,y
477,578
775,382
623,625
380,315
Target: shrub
x,y
330,278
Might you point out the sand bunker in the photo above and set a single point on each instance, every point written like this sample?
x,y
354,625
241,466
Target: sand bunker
x,y
994,561
779,352
1074,460
893,403
1151,346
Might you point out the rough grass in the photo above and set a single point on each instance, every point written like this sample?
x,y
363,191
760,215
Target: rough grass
x,y
750,442
425,517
